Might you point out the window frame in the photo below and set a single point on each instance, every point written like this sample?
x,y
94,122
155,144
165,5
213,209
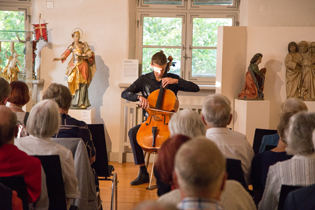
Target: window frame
x,y
187,11
188,4
19,7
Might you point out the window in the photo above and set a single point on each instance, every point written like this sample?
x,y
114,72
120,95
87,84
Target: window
x,y
187,30
14,21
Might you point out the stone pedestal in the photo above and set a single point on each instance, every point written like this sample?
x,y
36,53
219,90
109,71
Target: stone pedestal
x,y
86,115
249,115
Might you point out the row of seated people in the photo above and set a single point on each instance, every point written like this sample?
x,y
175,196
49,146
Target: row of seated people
x,y
48,118
295,130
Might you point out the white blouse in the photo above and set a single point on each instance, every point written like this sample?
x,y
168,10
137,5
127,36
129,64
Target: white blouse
x,y
298,171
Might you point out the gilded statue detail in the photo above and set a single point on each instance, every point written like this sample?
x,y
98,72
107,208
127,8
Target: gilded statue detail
x,y
80,70
11,71
254,80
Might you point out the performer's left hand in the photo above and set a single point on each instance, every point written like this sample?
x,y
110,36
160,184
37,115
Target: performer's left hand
x,y
169,80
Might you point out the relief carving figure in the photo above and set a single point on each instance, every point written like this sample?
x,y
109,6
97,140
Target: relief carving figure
x,y
307,90
293,64
80,71
254,80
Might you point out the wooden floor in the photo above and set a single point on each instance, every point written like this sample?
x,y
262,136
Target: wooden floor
x,y
128,196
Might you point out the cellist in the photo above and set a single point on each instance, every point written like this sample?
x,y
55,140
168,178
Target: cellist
x,y
145,85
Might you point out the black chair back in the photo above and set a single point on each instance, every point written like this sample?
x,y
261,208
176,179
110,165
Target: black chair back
x,y
285,190
235,171
101,163
54,180
269,147
17,183
259,133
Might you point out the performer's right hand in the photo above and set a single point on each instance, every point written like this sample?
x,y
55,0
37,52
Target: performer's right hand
x,y
144,103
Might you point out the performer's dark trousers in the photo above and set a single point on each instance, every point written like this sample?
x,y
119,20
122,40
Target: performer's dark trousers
x,y
136,149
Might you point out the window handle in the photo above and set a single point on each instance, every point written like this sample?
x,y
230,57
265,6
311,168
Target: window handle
x,y
186,57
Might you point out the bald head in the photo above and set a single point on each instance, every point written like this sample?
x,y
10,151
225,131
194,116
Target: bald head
x,y
5,90
7,125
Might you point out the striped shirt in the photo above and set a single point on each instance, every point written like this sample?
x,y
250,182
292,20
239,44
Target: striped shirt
x,y
189,203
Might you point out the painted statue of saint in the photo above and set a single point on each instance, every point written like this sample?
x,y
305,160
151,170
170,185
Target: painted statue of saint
x,y
11,71
254,80
80,71
293,64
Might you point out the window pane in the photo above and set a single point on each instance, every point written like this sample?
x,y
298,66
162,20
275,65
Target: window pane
x,y
162,31
213,2
166,2
205,30
149,52
11,21
204,62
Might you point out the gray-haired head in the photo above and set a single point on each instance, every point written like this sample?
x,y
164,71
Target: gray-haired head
x,y
188,123
199,167
7,125
293,105
5,90
60,94
300,138
44,119
216,110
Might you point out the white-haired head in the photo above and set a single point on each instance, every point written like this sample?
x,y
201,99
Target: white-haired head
x,y
216,110
300,134
188,123
44,119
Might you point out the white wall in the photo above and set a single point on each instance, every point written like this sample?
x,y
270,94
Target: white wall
x,y
105,24
277,13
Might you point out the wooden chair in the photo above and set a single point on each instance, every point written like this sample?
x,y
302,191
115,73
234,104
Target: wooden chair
x,y
16,183
285,190
54,181
259,133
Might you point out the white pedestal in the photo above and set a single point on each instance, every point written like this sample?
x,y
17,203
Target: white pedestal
x,y
250,115
310,105
86,115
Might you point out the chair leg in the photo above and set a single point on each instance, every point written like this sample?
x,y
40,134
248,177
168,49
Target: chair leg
x,y
152,187
113,205
147,159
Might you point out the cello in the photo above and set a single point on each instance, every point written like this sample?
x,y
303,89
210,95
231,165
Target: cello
x,y
154,131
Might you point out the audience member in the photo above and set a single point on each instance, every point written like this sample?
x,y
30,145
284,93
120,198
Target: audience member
x,y
204,163
188,123
70,127
185,122
301,199
164,165
19,96
299,170
153,205
5,90
14,162
290,105
43,122
216,114
262,161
